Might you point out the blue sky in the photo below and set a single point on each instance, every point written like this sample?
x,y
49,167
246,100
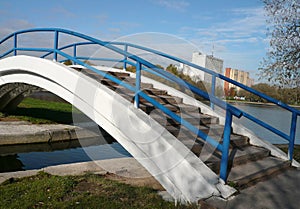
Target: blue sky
x,y
234,29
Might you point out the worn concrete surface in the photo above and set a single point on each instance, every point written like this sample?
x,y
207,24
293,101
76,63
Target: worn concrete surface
x,y
278,192
21,132
126,170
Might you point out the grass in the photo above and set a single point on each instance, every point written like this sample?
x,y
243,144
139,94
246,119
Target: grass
x,y
296,155
88,191
40,111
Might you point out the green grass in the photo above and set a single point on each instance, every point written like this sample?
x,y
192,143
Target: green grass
x,y
89,191
40,111
296,151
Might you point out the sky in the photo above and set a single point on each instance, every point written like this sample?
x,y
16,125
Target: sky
x,y
233,30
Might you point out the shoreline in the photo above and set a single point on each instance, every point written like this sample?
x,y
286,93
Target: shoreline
x,y
257,103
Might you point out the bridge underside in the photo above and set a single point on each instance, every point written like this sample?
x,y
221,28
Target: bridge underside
x,y
12,94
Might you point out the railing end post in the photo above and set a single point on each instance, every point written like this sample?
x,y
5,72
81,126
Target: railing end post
x,y
292,136
225,146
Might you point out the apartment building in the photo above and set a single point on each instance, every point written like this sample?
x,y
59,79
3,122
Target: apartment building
x,y
239,76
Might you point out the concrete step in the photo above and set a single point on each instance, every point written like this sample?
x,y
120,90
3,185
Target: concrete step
x,y
183,134
154,91
194,118
177,108
196,145
150,91
238,156
165,99
248,174
115,85
118,74
162,99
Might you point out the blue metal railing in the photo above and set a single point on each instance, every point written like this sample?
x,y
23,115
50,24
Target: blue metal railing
x,y
144,65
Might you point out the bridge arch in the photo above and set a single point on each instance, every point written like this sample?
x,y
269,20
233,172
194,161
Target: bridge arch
x,y
177,159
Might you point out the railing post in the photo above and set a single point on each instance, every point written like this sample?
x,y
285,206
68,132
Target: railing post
x,y
55,46
213,89
137,85
292,136
75,52
225,145
125,58
15,44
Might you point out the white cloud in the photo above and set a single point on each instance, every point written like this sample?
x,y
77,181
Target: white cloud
x,y
13,25
64,12
179,5
101,18
247,25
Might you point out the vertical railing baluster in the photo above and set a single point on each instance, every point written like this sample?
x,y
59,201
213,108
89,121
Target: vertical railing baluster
x,y
74,53
137,85
213,89
225,145
125,57
15,44
292,136
55,46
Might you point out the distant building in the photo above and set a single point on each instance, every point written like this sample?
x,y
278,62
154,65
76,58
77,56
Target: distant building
x,y
239,76
207,61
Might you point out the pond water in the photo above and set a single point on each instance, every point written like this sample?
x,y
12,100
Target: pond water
x,y
35,156
275,116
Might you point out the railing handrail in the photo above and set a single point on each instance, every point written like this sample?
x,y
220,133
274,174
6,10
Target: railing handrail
x,y
251,90
213,73
140,63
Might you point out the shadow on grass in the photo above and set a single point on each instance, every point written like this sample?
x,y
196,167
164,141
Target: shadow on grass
x,y
42,115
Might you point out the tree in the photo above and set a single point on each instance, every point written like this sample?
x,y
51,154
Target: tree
x,y
68,62
172,69
282,64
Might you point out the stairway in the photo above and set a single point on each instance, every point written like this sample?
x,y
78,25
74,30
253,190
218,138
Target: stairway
x,y
248,164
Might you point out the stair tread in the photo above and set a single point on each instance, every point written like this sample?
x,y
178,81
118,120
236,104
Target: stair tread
x,y
244,153
233,139
177,107
162,99
210,129
193,118
250,171
154,91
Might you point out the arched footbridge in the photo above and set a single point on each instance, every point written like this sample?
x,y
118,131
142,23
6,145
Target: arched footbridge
x,y
191,149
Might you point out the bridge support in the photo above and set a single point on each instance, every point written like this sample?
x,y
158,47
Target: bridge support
x,y
12,94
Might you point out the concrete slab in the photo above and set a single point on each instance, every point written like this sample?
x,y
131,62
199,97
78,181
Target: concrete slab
x,y
23,133
123,167
17,174
281,191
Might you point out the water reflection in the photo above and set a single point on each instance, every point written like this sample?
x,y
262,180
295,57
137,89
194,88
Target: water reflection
x,y
10,163
36,156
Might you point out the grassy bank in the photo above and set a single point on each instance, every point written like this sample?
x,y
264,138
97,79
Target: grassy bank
x,y
89,191
40,111
284,147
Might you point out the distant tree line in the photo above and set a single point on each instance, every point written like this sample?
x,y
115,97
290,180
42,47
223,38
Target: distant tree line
x,y
204,86
286,95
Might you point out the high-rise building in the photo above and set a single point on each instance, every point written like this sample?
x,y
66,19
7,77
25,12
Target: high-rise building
x,y
207,61
239,76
